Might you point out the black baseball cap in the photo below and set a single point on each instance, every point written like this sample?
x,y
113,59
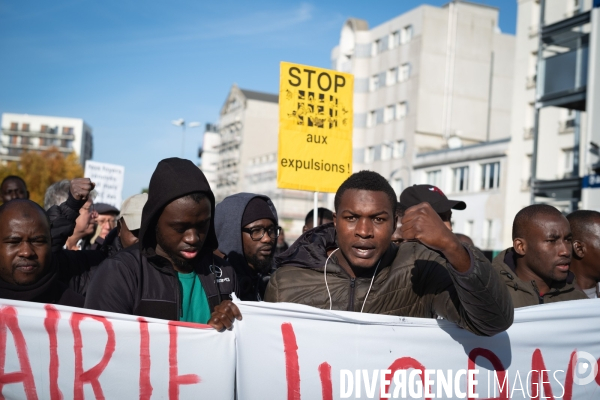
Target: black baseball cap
x,y
416,194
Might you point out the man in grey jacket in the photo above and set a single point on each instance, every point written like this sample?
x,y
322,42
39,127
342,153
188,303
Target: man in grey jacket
x,y
247,231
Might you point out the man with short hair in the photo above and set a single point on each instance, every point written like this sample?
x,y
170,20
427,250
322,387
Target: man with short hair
x,y
247,229
585,263
13,187
172,272
324,216
353,265
28,271
536,268
417,194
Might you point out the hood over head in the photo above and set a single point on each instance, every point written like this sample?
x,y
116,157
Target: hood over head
x,y
174,178
228,224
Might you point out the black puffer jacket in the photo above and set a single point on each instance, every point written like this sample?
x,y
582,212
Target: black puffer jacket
x,y
138,281
412,280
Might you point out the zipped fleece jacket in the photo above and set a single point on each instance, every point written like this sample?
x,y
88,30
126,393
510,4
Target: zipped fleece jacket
x,y
526,293
412,280
228,227
138,281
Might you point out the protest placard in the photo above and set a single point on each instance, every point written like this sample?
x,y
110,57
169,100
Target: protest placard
x,y
315,128
109,181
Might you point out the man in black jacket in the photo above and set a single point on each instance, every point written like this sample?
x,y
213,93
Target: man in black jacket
x,y
29,269
172,273
247,230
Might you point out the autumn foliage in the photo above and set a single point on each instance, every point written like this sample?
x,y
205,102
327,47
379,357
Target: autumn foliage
x,y
42,169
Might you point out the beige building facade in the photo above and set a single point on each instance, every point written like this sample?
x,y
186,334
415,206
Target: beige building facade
x,y
239,154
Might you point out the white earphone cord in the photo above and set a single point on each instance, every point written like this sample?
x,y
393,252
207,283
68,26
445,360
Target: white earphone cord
x,y
327,286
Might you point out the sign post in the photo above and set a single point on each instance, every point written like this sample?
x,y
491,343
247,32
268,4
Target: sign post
x,y
315,129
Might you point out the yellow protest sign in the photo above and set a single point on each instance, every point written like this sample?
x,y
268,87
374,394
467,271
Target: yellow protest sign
x,y
315,128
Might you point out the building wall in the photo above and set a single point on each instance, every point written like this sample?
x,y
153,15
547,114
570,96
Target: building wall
x,y
240,155
447,92
67,134
556,137
483,218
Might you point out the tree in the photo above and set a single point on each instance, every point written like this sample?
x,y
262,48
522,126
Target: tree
x,y
41,169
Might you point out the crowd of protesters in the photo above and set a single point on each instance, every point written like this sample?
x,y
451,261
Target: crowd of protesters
x,y
175,254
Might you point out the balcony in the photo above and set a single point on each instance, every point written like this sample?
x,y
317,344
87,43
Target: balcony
x,y
561,189
567,126
38,134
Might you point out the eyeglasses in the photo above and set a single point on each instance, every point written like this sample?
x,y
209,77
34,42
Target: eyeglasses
x,y
258,233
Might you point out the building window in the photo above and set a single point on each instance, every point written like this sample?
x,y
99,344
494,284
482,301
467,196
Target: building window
x,y
14,139
396,39
369,154
392,76
386,151
25,127
397,185
488,233
398,150
401,110
389,113
490,176
434,177
374,47
404,72
25,140
379,116
371,118
406,35
469,228
14,126
382,44
67,130
460,179
567,155
374,83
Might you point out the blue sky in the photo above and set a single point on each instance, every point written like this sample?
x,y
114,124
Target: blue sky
x,y
129,68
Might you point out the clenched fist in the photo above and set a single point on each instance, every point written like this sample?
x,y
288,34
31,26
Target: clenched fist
x,y
81,188
422,223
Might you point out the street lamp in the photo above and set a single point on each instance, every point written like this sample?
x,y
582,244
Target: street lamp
x,y
181,122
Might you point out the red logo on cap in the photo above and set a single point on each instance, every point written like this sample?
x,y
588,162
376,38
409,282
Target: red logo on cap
x,y
437,190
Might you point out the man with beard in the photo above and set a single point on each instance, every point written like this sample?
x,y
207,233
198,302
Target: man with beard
x,y
247,230
172,272
536,268
585,226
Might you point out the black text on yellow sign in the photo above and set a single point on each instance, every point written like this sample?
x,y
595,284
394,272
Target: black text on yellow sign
x,y
315,128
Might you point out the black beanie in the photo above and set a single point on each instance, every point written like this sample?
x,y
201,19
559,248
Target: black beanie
x,y
256,209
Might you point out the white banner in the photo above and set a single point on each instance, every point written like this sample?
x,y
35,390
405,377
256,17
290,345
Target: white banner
x,y
54,352
109,181
287,351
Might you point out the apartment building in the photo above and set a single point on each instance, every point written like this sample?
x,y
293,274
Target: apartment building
x,y
424,78
24,132
476,175
549,122
239,154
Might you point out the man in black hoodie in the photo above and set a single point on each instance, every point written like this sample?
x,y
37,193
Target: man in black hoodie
x,y
173,273
247,230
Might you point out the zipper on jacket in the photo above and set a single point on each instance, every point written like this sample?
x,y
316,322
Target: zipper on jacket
x,y
540,298
351,302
